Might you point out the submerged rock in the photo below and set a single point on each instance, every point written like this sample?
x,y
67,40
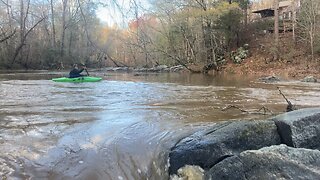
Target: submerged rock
x,y
309,79
189,172
300,128
155,69
227,139
269,79
121,69
177,68
275,162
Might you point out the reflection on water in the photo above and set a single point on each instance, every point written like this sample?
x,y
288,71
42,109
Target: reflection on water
x,y
122,127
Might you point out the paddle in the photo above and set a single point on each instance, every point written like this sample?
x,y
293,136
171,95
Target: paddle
x,y
86,71
84,67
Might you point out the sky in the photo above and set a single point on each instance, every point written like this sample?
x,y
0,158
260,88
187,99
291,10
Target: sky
x,y
109,16
120,14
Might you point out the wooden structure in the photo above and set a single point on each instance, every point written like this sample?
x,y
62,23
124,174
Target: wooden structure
x,y
265,9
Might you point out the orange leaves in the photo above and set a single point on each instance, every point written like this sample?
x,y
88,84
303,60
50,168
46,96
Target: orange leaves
x,y
142,22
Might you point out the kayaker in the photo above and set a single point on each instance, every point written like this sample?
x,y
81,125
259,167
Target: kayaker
x,y
76,72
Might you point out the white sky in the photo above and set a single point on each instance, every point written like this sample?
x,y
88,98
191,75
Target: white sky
x,y
113,15
109,16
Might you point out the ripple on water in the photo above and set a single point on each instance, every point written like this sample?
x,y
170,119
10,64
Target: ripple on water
x,y
122,127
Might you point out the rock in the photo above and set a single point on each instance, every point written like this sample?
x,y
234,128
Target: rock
x,y
275,162
161,67
300,128
227,139
141,70
118,69
121,69
189,172
177,68
230,168
269,79
309,79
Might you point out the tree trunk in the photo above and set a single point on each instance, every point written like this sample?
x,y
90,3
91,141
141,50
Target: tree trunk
x,y
64,12
19,48
312,42
22,26
246,16
294,20
53,25
276,29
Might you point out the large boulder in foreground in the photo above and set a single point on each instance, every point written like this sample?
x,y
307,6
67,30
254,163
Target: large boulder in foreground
x,y
209,147
300,128
275,162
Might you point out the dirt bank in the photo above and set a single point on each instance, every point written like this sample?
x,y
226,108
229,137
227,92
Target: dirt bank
x,y
295,62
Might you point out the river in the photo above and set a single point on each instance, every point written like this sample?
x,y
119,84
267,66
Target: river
x,y
122,127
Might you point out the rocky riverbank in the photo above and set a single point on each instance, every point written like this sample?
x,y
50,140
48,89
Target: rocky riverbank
x,y
160,68
284,147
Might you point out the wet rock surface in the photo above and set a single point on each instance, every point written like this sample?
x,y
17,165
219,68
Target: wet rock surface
x,y
189,172
269,79
210,147
155,69
275,162
309,79
252,150
300,128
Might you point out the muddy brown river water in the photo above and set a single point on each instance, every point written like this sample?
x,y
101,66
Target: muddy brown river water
x,y
122,127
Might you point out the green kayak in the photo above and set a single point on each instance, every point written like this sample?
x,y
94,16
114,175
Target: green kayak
x,y
78,79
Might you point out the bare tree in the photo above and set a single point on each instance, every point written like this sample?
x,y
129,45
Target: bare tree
x,y
276,29
24,13
6,37
53,24
294,19
29,39
309,23
23,39
64,27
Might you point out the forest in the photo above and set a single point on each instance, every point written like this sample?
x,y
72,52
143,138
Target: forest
x,y
54,34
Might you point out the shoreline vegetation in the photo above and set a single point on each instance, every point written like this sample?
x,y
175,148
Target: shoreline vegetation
x,y
202,36
294,63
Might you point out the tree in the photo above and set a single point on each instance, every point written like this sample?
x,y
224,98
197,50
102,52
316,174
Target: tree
x,y
196,32
28,39
276,29
309,23
294,19
24,13
53,24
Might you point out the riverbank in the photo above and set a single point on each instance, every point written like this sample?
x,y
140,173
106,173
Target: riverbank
x,y
294,63
257,66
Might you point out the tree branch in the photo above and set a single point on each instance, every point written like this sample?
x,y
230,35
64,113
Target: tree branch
x,y
18,49
290,107
8,37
